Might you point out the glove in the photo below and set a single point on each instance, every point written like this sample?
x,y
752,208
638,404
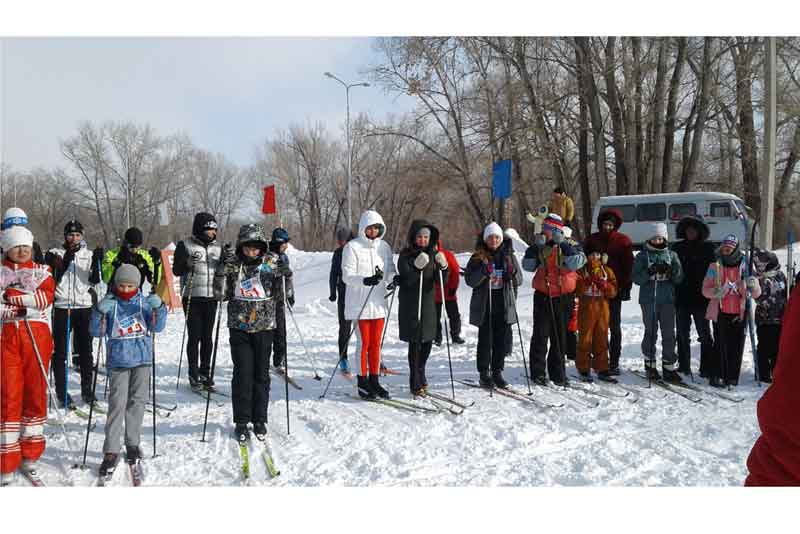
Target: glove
x,y
228,256
93,294
558,237
193,259
624,294
540,240
394,283
97,255
751,282
332,297
153,300
22,311
69,255
567,249
604,258
372,280
106,305
155,255
441,260
283,267
421,261
488,267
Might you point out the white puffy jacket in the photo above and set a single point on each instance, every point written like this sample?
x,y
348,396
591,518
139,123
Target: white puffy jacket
x,y
359,258
73,289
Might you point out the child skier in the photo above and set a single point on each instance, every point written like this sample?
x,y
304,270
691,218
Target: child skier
x,y
367,267
249,278
126,319
494,275
769,312
27,294
596,285
726,287
657,270
277,246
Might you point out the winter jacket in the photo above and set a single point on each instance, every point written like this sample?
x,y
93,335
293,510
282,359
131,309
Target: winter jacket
x,y
73,273
335,283
564,207
665,290
695,257
128,328
28,290
360,257
596,281
250,286
408,295
617,246
555,267
775,458
772,301
200,271
452,278
117,256
735,299
477,277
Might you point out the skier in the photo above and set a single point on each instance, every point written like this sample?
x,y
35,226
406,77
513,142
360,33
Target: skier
x,y
249,278
554,261
695,253
562,205
417,265
278,245
367,267
451,283
27,294
195,261
619,249
726,287
769,312
337,291
774,460
131,252
595,286
17,217
494,275
126,319
73,270
657,270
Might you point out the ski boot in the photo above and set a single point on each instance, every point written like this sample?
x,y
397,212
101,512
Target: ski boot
x,y
364,391
376,387
206,382
260,430
242,433
457,339
652,374
499,381
195,384
613,371
563,383
586,376
540,381
672,377
485,379
606,376
344,367
109,464
715,382
70,403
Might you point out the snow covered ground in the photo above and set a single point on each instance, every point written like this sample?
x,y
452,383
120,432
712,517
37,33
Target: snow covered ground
x,y
661,441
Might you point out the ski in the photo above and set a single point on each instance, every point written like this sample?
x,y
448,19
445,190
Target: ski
x,y
99,409
135,471
77,411
385,371
244,454
400,405
730,397
669,387
411,404
599,388
509,393
266,456
278,371
203,393
441,406
33,477
444,398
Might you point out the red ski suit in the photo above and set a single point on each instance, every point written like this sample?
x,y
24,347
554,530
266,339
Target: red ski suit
x,y
27,294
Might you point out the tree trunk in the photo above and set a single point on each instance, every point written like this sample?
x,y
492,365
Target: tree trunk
x,y
743,53
631,137
641,172
791,163
672,105
618,138
690,172
657,146
586,93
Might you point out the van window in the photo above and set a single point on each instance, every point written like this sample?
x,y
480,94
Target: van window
x,y
628,211
651,212
720,210
679,211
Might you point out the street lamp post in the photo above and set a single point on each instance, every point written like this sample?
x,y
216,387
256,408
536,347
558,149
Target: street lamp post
x,y
349,144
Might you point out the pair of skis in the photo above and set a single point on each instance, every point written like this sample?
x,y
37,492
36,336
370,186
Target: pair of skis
x,y
264,452
512,394
135,473
691,391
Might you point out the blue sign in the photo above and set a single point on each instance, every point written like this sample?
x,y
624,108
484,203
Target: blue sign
x,y
501,179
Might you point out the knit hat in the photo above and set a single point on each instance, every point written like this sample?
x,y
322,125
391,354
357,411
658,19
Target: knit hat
x,y
280,235
14,217
659,230
730,240
15,237
203,221
492,229
73,227
553,222
424,231
127,274
134,237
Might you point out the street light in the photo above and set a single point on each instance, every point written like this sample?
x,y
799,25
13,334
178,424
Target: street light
x,y
349,145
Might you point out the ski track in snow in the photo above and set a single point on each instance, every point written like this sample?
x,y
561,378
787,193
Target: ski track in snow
x,y
342,441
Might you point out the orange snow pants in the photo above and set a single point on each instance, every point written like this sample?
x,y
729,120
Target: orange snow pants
x,y
23,393
593,317
370,333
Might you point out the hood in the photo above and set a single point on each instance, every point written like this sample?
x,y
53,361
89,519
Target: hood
x,y
418,224
200,221
368,218
697,222
765,261
611,213
251,233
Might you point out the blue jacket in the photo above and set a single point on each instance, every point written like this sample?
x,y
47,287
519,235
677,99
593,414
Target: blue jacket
x,y
127,352
666,283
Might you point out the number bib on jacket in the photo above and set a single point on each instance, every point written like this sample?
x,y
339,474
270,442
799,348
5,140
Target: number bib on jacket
x,y
496,279
129,327
250,289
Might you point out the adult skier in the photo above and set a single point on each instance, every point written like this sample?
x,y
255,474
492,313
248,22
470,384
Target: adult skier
x,y
337,294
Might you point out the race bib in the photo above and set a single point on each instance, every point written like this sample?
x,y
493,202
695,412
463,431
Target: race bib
x,y
129,327
250,289
496,279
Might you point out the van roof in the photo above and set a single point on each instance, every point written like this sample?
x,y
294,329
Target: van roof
x,y
668,197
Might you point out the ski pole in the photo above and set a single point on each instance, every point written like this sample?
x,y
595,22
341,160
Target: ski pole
x,y
213,361
388,316
189,284
67,348
153,346
447,336
554,327
94,386
286,356
341,356
491,333
309,355
61,416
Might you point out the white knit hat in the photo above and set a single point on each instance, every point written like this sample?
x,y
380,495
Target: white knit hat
x,y
659,230
492,229
16,236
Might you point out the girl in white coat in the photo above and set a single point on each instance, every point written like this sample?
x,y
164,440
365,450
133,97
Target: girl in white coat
x,y
367,268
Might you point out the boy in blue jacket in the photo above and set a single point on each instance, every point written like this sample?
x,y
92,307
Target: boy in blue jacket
x,y
126,319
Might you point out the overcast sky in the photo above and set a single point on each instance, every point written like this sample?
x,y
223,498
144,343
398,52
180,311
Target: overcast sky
x,y
228,94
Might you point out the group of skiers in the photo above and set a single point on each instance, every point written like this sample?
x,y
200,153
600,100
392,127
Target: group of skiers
x,y
578,290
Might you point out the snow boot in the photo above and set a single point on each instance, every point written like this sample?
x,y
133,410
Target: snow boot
x,y
586,376
485,379
364,391
109,464
260,430
132,454
70,403
499,381
715,382
672,377
242,433
540,381
652,374
195,384
344,367
438,340
29,467
376,387
458,340
563,383
614,371
605,376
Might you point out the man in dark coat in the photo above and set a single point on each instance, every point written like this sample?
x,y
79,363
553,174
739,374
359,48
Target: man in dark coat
x,y
695,253
417,266
337,292
619,249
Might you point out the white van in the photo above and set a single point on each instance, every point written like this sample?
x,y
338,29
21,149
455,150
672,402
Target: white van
x,y
720,211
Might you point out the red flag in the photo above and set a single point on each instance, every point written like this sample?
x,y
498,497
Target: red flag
x,y
269,200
